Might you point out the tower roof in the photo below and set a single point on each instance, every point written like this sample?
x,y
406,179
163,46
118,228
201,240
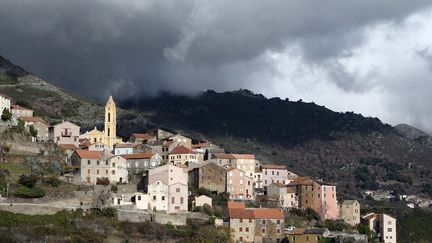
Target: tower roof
x,y
110,101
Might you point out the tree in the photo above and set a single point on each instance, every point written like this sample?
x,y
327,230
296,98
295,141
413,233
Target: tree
x,y
28,180
21,125
6,115
33,131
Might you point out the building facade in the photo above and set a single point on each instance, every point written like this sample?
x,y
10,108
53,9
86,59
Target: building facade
x,y
5,103
285,195
182,155
64,133
350,212
20,111
272,173
383,225
209,176
168,189
238,184
39,125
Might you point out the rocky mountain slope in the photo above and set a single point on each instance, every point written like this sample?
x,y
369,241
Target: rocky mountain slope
x,y
346,148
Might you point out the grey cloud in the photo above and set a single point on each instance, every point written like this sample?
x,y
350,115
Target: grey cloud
x,y
141,47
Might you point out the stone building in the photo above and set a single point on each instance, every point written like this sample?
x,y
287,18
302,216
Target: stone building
x,y
209,176
350,212
318,195
285,195
255,224
39,125
272,173
20,111
140,162
93,167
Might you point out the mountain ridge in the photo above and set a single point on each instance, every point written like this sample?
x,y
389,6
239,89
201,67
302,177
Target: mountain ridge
x,y
356,152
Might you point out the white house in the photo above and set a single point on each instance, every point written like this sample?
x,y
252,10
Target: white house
x,y
5,103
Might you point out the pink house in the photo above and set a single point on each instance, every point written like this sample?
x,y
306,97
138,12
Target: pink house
x,y
238,184
65,133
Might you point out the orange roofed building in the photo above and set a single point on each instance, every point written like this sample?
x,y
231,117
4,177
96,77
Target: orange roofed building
x,y
255,224
318,195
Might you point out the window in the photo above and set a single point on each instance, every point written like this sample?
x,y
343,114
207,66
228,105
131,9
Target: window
x,y
139,198
241,229
113,172
277,173
98,162
97,172
106,163
177,189
172,199
113,164
88,162
263,230
181,200
106,172
278,221
389,222
154,198
250,220
241,220
389,230
263,221
247,229
88,171
163,198
278,231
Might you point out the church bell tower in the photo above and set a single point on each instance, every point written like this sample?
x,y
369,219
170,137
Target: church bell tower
x,y
110,123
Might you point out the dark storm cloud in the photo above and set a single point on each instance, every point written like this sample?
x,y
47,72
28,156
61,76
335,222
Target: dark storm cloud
x,y
140,47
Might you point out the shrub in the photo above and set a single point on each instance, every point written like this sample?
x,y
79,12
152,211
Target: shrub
x,y
52,181
33,131
6,115
27,180
114,188
26,192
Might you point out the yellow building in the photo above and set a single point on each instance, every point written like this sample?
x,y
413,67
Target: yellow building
x,y
108,136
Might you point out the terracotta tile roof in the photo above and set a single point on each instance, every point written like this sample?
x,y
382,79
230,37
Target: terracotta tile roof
x,y
222,156
243,156
232,204
302,181
33,119
182,150
237,210
274,167
137,156
126,145
297,231
268,213
142,135
279,184
67,146
18,107
85,154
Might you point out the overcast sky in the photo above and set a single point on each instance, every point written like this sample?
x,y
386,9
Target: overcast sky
x,y
371,57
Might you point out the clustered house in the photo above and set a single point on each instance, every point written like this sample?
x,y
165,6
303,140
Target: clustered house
x,y
317,195
255,224
167,166
383,225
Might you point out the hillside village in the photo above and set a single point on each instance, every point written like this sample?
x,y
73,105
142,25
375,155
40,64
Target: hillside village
x,y
166,177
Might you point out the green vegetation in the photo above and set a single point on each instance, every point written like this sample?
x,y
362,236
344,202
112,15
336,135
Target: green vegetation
x,y
6,78
29,192
21,125
101,226
6,115
114,188
27,180
33,131
53,181
413,225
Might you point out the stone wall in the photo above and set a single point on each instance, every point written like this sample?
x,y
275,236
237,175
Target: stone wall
x,y
32,209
